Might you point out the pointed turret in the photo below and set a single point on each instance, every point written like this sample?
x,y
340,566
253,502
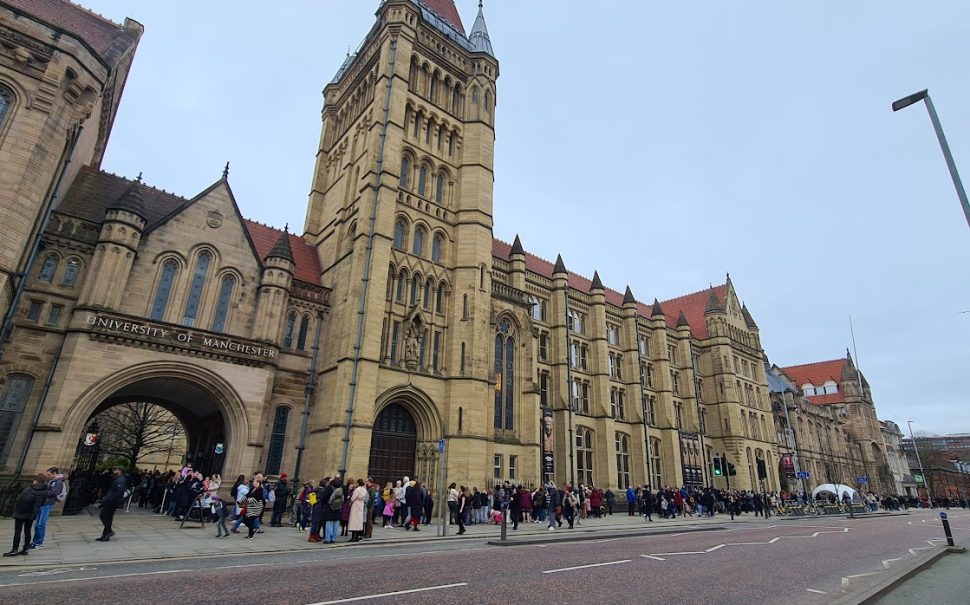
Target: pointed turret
x,y
517,246
748,320
628,298
682,321
282,249
560,266
657,310
479,34
131,200
597,283
713,303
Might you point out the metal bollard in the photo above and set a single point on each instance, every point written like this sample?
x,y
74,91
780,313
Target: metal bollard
x,y
504,524
946,530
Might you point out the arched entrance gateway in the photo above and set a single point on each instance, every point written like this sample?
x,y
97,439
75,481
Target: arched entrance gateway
x,y
198,410
404,438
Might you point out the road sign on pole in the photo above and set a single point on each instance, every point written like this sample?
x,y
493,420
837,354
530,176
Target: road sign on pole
x,y
862,480
441,445
802,474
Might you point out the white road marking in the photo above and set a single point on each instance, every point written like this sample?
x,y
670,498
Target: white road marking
x,y
689,552
886,562
653,557
391,594
713,548
55,572
578,567
602,541
912,551
816,591
122,575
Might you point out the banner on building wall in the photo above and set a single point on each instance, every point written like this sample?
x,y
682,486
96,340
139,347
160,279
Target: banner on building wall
x,y
548,443
691,460
789,465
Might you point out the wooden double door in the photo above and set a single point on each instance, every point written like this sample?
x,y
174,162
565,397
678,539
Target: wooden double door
x,y
393,445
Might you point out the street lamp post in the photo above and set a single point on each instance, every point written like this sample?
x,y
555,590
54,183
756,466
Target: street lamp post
x,y
926,483
924,96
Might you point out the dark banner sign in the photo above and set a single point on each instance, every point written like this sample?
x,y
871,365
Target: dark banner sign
x,y
548,443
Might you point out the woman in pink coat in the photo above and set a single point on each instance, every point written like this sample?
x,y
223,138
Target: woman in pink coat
x,y
355,523
596,501
525,498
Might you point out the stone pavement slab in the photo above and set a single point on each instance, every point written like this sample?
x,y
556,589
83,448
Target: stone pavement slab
x,y
141,535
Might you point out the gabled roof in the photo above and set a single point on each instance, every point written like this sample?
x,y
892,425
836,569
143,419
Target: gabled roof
x,y
93,191
109,40
817,374
447,10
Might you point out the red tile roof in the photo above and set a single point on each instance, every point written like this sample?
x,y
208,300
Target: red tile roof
x,y
817,374
304,255
93,29
447,10
692,305
93,191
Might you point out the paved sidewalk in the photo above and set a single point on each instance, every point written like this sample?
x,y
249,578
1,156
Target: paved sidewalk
x,y
945,582
141,535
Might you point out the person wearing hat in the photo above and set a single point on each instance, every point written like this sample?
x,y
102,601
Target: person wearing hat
x,y
281,497
111,501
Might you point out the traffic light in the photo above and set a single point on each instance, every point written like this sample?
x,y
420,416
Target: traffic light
x,y
718,469
731,470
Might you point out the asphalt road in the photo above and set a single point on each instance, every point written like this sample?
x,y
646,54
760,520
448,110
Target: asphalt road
x,y
770,561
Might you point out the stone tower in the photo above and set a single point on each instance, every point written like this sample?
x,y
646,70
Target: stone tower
x,y
401,214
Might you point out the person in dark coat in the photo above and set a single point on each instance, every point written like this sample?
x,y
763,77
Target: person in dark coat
x,y
316,509
114,498
331,515
414,499
428,510
25,509
281,493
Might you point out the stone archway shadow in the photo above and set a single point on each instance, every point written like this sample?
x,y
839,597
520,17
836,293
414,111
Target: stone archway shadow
x,y
419,404
222,393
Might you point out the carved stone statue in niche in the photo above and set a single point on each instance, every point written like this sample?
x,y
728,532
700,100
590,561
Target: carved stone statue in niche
x,y
412,342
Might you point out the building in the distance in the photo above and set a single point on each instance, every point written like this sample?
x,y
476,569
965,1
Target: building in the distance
x,y
396,336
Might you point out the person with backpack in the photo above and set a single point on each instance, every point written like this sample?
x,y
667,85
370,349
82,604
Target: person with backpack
x,y
56,492
331,503
317,501
281,495
25,509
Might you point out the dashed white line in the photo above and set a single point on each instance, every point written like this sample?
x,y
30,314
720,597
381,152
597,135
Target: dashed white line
x,y
713,548
391,594
816,591
653,557
585,566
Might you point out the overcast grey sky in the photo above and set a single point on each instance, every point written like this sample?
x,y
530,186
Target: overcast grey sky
x,y
663,144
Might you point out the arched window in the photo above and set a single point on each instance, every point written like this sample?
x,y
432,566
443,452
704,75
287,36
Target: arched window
x,y
418,247
399,231
417,124
6,102
70,273
222,305
504,376
427,131
274,458
488,103
436,249
407,118
439,300
195,290
442,133
413,75
622,460
401,278
434,86
290,329
456,100
414,290
423,181
426,303
13,401
169,269
451,144
304,327
439,189
584,455
48,269
405,172
475,96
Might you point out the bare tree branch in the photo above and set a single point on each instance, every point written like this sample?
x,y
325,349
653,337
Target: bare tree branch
x,y
137,429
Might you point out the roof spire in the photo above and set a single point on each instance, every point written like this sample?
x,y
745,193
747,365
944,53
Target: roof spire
x,y
131,200
225,172
282,249
748,320
479,34
657,309
560,266
517,246
682,320
713,303
597,283
628,297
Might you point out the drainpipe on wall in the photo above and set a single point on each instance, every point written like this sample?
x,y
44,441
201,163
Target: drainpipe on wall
x,y
311,384
365,281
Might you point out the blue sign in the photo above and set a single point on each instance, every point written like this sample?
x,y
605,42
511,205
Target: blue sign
x,y
862,479
802,474
943,516
441,445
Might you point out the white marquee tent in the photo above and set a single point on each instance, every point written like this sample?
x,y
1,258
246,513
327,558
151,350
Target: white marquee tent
x,y
839,489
